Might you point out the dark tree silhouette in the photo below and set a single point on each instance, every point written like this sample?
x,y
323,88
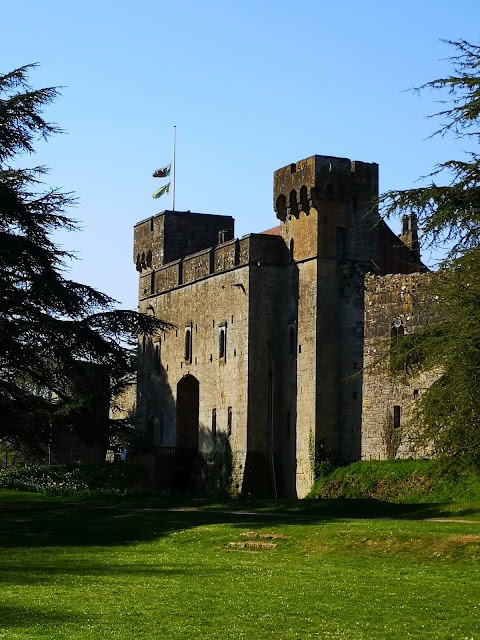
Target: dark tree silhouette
x,y
55,334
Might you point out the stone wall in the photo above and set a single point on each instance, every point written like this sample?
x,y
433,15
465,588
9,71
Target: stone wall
x,y
289,306
402,300
201,307
171,235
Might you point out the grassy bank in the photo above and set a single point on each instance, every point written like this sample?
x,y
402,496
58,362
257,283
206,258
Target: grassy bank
x,y
405,481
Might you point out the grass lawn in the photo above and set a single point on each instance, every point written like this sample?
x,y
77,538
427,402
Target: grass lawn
x,y
149,568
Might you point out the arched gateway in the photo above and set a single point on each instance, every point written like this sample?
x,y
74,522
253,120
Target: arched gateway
x,y
186,431
187,413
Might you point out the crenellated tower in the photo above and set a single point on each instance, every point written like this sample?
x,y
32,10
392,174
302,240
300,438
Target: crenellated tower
x,y
330,225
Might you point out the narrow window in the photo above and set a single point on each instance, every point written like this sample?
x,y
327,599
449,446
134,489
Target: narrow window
x,y
291,340
229,421
158,359
415,393
188,345
397,329
292,249
396,416
161,429
151,224
214,423
222,343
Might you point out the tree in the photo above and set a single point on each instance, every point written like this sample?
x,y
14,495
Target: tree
x,y
56,335
448,415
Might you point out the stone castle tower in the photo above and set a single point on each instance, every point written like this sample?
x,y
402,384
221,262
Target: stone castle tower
x,y
262,371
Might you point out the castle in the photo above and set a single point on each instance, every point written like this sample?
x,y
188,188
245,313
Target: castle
x,y
265,369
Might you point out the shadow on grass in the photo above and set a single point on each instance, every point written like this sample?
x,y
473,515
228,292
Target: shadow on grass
x,y
145,519
18,617
29,576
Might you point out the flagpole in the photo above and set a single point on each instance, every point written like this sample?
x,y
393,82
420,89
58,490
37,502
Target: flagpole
x,y
173,186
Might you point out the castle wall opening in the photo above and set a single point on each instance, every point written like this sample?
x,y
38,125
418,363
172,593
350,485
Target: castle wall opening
x,y
188,402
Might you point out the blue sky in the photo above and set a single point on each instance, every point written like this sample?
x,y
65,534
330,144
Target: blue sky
x,y
251,86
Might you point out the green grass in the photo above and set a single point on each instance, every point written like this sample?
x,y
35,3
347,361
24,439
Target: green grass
x,y
148,568
413,481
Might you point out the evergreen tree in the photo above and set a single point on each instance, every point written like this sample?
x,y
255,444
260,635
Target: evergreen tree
x,y
448,209
58,339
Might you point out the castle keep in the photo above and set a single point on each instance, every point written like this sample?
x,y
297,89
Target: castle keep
x,y
264,368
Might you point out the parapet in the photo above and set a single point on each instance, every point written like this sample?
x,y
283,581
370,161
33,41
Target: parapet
x,y
253,249
296,186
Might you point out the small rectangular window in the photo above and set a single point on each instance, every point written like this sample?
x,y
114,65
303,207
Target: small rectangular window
x,y
162,429
396,416
229,421
214,423
188,344
291,340
157,364
222,342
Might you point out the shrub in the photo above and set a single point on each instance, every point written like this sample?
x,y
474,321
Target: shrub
x,y
72,479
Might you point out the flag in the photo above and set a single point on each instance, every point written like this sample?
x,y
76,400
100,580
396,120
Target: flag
x,y
162,191
163,172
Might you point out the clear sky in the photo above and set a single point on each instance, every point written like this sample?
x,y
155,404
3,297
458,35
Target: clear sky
x,y
251,86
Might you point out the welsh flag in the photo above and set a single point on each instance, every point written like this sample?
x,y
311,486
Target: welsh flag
x,y
163,172
162,191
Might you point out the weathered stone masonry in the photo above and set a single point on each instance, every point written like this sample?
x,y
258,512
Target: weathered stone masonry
x,y
394,305
265,362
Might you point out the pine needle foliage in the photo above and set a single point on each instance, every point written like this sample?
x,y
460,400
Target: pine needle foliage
x,y
448,209
55,334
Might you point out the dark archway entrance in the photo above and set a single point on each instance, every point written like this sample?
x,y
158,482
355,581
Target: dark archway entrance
x,y
188,401
187,412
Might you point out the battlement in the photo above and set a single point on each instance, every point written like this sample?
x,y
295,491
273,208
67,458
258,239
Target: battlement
x,y
253,249
297,186
170,235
